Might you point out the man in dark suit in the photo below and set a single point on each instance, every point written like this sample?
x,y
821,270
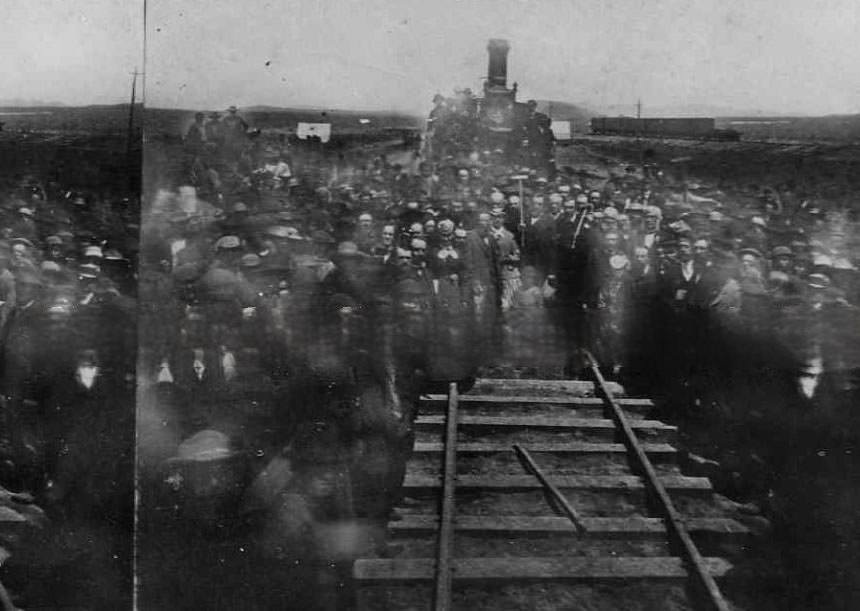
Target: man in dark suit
x,y
575,241
643,278
539,247
482,275
680,276
690,283
649,235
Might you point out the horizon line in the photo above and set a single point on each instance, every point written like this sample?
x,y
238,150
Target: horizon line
x,y
251,107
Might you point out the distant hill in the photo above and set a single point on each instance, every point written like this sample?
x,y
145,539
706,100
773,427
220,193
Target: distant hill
x,y
96,119
832,128
319,109
175,121
28,103
564,111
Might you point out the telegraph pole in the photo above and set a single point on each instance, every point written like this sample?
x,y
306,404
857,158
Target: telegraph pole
x,y
639,135
134,76
129,151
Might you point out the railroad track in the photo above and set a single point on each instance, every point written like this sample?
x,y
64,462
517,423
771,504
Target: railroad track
x,y
548,495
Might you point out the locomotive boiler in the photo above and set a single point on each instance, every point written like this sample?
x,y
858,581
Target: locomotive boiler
x,y
497,109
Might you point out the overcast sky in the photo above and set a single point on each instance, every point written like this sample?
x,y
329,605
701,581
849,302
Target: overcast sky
x,y
799,56
71,51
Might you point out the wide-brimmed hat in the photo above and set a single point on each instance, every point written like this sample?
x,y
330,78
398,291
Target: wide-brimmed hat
x,y
818,281
94,251
750,251
446,227
228,242
281,232
22,241
347,248
822,260
89,270
250,260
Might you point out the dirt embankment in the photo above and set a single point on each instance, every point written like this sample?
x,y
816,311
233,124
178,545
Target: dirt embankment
x,y
830,171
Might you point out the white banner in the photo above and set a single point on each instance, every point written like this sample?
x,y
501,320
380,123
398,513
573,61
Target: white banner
x,y
561,130
321,130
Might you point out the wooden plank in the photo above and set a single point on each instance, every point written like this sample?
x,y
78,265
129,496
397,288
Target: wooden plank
x,y
573,482
595,527
442,594
603,568
676,528
541,421
432,447
587,406
532,383
527,399
508,386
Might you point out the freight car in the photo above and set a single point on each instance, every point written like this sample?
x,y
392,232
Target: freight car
x,y
695,127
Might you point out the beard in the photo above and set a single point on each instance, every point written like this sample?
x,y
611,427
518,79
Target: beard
x,y
86,375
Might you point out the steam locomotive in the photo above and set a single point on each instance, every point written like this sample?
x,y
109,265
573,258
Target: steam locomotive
x,y
496,121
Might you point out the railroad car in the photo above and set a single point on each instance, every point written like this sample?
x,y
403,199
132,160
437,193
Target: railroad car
x,y
671,127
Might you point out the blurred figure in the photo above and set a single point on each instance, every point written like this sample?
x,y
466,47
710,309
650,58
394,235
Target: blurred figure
x,y
195,137
483,278
508,256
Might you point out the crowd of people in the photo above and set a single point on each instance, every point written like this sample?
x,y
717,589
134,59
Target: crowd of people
x,y
505,233
67,317
307,304
68,342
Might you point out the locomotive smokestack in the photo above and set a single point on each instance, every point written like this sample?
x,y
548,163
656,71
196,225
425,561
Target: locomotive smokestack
x,y
497,71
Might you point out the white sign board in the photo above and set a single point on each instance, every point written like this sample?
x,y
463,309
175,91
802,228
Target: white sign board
x,y
561,130
321,130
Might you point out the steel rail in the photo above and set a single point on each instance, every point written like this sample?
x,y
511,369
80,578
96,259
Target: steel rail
x,y
674,521
444,548
571,513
